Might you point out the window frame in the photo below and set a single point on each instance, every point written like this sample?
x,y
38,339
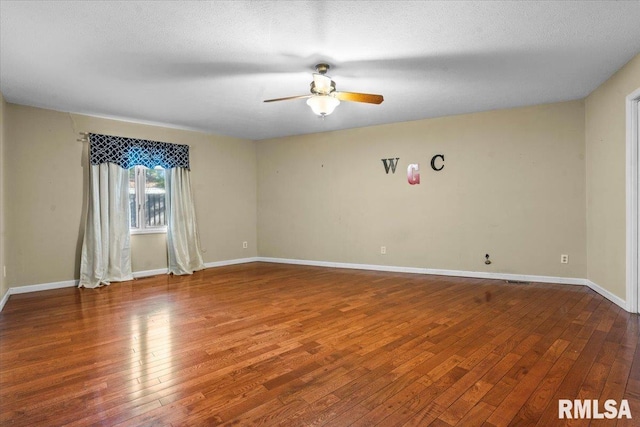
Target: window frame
x,y
141,208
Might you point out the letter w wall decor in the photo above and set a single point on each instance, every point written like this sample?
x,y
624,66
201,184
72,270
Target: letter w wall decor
x,y
390,164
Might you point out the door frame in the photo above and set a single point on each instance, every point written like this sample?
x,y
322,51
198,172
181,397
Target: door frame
x,y
633,189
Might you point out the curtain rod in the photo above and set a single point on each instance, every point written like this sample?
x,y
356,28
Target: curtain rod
x,y
85,137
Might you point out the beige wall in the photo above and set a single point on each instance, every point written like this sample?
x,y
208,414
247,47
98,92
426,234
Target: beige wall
x,y
516,184
46,192
605,136
3,124
513,186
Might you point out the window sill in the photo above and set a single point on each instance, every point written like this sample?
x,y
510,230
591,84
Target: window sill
x,y
161,230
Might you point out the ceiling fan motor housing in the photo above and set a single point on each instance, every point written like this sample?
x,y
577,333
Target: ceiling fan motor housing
x,y
322,68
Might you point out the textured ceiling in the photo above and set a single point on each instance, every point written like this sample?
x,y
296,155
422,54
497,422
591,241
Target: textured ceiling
x,y
209,65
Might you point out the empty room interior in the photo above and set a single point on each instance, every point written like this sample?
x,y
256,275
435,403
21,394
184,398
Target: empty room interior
x,y
319,213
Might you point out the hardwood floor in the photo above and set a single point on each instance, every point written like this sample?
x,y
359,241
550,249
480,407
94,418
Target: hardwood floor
x,y
290,345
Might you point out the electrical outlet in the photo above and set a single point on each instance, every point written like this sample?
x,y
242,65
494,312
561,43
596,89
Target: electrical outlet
x,y
383,250
245,245
564,259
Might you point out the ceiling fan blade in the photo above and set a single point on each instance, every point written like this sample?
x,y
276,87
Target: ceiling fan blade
x,y
359,97
288,97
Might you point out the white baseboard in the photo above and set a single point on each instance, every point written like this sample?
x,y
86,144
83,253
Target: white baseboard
x,y
36,288
230,262
458,273
608,295
5,298
43,287
147,273
137,274
389,268
437,272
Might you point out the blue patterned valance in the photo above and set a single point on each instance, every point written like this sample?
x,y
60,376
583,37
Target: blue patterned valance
x,y
128,152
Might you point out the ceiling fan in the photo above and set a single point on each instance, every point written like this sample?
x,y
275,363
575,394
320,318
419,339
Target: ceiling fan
x,y
324,98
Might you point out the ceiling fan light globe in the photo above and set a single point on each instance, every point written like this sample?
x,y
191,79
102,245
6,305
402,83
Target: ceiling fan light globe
x,y
323,105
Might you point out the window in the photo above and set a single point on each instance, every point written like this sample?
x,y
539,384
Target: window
x,y
146,200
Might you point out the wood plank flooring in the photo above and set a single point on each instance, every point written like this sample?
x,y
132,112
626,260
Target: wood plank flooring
x,y
270,344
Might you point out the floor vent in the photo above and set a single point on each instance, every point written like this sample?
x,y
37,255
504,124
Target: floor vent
x,y
517,282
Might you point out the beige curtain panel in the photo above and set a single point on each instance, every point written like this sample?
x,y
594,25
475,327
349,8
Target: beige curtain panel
x,y
183,242
106,248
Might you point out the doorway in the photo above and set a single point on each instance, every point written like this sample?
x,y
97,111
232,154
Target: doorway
x,y
633,201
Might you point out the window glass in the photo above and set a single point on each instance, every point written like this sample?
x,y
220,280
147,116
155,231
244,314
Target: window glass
x,y
154,198
147,200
